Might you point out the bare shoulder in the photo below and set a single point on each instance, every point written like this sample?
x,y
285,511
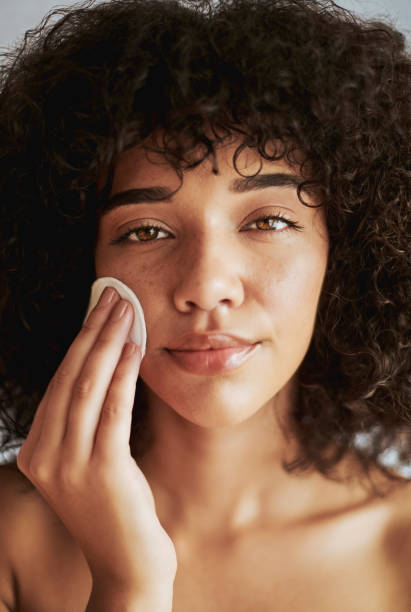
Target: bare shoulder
x,y
12,481
397,540
400,521
13,486
23,511
39,559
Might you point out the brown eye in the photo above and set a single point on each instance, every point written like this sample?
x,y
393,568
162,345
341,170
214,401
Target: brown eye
x,y
271,223
141,233
146,232
275,223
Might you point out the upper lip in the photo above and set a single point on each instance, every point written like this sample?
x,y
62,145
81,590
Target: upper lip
x,y
202,342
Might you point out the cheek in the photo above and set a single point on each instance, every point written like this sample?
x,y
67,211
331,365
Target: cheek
x,y
148,283
292,289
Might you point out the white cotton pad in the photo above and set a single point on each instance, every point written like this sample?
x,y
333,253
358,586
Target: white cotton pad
x,y
138,332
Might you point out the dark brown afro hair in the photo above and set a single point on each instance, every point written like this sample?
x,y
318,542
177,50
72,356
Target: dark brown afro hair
x,y
96,79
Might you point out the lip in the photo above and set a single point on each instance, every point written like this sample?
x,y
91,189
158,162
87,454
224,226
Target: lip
x,y
213,361
205,341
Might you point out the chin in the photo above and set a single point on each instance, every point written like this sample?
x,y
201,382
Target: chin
x,y
218,407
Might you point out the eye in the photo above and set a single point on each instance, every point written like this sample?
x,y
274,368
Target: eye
x,y
142,233
276,223
148,232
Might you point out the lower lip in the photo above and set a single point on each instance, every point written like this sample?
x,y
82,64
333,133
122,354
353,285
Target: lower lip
x,y
213,361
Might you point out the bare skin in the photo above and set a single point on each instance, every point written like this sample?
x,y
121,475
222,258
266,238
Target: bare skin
x,y
355,559
247,536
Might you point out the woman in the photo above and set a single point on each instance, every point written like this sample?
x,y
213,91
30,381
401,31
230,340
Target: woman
x,y
242,168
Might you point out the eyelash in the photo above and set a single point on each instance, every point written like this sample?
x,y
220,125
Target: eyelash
x,y
291,225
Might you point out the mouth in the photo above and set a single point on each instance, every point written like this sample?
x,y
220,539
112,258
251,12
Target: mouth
x,y
213,361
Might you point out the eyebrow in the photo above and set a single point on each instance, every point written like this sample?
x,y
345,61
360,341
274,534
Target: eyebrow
x,y
163,194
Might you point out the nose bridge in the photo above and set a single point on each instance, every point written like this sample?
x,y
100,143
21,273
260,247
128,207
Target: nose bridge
x,y
210,233
210,269
207,241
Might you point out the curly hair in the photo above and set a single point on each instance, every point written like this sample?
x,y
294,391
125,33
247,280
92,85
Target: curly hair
x,y
306,75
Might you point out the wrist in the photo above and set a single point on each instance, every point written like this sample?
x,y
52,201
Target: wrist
x,y
109,598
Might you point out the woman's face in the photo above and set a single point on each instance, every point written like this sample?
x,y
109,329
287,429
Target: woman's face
x,y
217,262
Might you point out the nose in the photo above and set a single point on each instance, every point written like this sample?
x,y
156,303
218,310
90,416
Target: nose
x,y
210,276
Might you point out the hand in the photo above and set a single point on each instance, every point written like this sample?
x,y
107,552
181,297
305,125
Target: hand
x,y
77,455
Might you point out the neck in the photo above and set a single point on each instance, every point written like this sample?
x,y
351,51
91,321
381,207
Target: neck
x,y
230,478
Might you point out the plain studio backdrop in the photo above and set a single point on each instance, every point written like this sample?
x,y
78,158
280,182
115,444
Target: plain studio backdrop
x,y
17,16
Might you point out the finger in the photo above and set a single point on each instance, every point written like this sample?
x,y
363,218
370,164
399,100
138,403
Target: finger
x,y
113,429
91,387
55,417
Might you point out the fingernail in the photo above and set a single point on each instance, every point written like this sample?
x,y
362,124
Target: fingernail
x,y
107,296
119,311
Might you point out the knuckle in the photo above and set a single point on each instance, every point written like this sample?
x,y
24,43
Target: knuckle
x,y
88,325
39,469
62,375
82,388
111,409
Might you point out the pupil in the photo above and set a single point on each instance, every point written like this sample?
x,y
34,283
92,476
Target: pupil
x,y
146,232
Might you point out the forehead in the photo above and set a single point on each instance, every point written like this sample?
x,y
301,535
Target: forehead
x,y
140,167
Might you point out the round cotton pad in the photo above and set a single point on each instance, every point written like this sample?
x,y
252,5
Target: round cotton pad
x,y
138,332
